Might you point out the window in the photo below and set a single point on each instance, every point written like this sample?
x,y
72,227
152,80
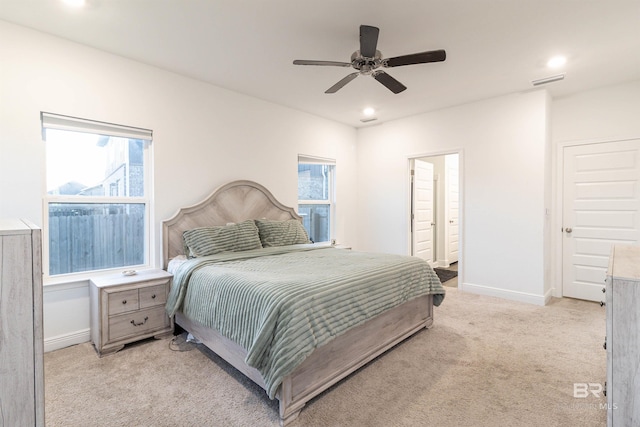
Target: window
x,y
316,195
97,195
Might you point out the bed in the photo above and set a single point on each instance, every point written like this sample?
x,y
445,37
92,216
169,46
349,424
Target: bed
x,y
312,314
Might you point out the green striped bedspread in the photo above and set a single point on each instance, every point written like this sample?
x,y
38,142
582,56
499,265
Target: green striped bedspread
x,y
281,303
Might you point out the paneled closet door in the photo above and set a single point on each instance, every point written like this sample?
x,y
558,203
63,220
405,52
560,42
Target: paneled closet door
x,y
601,207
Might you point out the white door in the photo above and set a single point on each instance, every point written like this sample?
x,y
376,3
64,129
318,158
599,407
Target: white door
x,y
601,207
452,206
422,215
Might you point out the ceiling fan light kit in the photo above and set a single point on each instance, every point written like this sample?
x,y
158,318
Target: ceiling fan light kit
x,y
368,61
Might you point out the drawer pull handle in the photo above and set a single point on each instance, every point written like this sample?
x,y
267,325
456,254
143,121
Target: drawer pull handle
x,y
124,301
133,322
153,296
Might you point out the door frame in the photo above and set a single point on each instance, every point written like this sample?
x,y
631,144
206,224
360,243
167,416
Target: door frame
x,y
558,205
461,204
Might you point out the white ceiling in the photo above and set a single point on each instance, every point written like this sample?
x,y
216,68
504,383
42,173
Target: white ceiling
x,y
493,47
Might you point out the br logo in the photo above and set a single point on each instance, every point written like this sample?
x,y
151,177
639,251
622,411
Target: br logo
x,y
583,390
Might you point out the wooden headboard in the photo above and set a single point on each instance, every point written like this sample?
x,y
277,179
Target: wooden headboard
x,y
236,201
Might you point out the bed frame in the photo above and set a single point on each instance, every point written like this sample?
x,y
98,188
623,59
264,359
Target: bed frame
x,y
242,200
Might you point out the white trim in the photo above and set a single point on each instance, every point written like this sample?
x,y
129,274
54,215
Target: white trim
x,y
331,201
65,284
461,216
67,340
569,142
315,202
436,153
557,185
76,124
81,279
506,294
146,200
314,160
99,200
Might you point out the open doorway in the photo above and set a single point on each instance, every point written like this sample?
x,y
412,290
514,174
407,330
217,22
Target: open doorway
x,y
435,213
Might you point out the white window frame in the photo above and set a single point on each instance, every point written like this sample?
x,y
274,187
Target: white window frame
x,y
61,122
303,159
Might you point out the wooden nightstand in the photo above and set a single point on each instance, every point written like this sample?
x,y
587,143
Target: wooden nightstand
x,y
125,309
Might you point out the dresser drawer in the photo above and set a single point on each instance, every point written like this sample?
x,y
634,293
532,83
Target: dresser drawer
x,y
138,323
153,295
123,302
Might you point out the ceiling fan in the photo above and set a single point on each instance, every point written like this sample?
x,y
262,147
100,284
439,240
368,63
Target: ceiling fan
x,y
368,60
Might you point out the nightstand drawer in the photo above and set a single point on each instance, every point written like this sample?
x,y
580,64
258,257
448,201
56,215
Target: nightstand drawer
x,y
153,295
124,301
137,323
128,308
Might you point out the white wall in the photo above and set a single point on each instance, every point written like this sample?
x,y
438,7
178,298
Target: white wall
x,y
503,143
204,136
604,114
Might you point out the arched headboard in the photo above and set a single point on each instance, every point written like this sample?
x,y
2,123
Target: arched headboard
x,y
235,202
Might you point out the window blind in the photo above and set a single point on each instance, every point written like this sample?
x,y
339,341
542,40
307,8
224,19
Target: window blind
x,y
310,160
57,121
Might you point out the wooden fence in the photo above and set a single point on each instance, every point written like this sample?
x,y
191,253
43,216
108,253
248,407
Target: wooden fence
x,y
86,237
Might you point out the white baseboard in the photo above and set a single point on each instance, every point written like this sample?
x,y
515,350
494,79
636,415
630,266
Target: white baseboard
x,y
67,340
506,294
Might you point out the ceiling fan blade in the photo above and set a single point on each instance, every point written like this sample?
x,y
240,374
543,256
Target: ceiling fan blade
x,y
392,84
341,83
416,58
329,63
368,40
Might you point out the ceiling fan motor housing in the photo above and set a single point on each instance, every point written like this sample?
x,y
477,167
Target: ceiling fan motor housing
x,y
366,65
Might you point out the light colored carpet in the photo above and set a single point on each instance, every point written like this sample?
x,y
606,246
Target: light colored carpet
x,y
485,362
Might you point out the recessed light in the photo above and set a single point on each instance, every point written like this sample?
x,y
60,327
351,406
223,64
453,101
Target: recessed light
x,y
556,61
368,111
74,3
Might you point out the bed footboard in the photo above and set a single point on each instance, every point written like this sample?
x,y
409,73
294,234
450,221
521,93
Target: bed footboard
x,y
330,363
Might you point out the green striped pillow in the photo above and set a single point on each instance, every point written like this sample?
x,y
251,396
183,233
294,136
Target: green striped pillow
x,y
281,233
205,241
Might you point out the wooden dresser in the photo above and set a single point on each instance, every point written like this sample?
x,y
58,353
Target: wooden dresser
x,y
21,334
623,336
125,309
